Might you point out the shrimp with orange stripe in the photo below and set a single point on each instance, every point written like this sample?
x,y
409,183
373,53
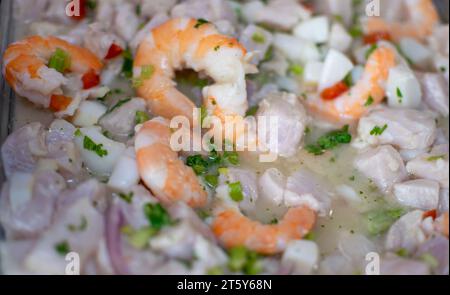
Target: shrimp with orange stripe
x,y
196,44
176,44
39,68
423,19
233,229
341,104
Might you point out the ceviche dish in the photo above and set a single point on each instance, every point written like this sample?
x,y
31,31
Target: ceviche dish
x,y
225,137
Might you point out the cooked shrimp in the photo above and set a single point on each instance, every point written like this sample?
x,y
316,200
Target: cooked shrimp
x,y
368,91
161,169
423,19
184,42
234,229
26,68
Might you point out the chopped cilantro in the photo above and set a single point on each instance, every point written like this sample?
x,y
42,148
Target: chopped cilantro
x,y
252,111
309,236
371,50
200,22
430,260
402,252
62,248
90,145
268,55
60,60
377,130
235,190
330,141
127,197
355,31
369,101
258,38
212,180
198,164
296,69
138,10
118,105
435,158
378,221
91,4
240,259
348,80
81,227
157,216
141,117
127,66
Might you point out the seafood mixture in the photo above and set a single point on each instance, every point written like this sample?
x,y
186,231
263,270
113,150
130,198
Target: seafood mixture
x,y
355,182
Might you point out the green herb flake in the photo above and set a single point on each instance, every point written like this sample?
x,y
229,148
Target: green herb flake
x,y
310,236
240,259
90,145
330,141
435,158
378,221
371,50
402,252
157,216
268,55
399,92
369,101
139,238
141,117
258,38
200,22
147,71
377,130
127,197
399,95
355,31
252,111
78,133
127,66
430,260
231,157
62,248
138,10
60,60
235,190
198,164
212,180
296,69
91,4
338,18
348,80
274,221
118,105
80,227
217,48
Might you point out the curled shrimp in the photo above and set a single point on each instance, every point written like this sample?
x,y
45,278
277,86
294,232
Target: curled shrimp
x,y
234,229
368,91
184,42
423,19
161,169
26,68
